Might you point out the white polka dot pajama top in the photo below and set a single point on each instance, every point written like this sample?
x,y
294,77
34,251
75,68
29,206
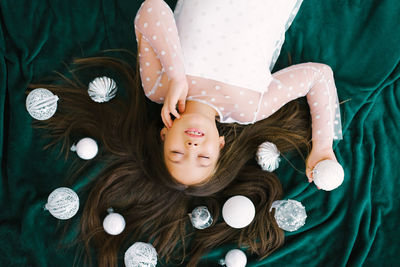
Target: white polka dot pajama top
x,y
224,48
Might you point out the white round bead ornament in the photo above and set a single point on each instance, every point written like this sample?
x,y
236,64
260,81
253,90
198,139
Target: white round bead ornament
x,y
238,211
234,258
62,203
86,148
268,156
328,175
113,223
102,89
201,217
140,255
41,104
290,214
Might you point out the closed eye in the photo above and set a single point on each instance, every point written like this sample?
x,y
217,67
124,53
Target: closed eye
x,y
204,157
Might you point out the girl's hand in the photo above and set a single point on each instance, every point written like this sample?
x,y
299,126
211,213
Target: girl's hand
x,y
177,92
318,154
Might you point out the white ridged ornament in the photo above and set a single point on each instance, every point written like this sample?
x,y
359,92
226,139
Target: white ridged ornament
x,y
140,255
86,148
268,156
238,211
62,203
234,258
113,223
201,217
41,104
290,214
328,175
102,89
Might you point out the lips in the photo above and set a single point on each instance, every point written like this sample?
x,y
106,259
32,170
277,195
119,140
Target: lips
x,y
193,132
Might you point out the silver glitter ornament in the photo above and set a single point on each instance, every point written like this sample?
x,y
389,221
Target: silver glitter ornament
x,y
290,214
41,104
268,156
201,217
140,255
62,203
102,89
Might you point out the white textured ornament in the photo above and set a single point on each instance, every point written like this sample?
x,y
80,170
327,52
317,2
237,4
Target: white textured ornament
x,y
268,156
86,148
140,255
290,214
235,258
201,217
62,203
102,89
238,211
41,104
328,175
113,223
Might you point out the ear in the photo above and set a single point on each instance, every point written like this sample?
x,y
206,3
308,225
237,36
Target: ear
x,y
221,142
163,132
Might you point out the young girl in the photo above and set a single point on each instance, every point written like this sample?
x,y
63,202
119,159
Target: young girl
x,y
214,64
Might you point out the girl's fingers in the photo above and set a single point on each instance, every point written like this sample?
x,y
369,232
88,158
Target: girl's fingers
x,y
181,106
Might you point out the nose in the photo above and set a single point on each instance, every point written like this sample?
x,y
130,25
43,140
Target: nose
x,y
192,144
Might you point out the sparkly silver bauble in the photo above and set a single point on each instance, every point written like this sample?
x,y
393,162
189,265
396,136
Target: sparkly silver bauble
x,y
234,258
113,223
86,148
268,156
63,203
102,89
141,255
201,217
41,104
290,214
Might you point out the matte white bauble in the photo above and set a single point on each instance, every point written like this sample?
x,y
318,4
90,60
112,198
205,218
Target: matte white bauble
x,y
41,104
235,258
140,254
102,89
328,175
62,203
114,223
86,148
268,156
238,211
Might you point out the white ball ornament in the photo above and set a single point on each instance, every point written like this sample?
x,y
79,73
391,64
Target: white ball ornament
x,y
238,211
328,175
62,203
102,89
268,156
290,214
41,104
113,223
201,217
86,148
140,255
235,258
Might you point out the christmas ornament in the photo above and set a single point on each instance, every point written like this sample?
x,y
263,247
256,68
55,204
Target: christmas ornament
x,y
328,175
113,223
86,148
238,211
41,104
201,218
268,156
290,214
234,258
62,203
102,89
141,255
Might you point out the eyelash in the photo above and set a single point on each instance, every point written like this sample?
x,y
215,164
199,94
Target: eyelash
x,y
176,152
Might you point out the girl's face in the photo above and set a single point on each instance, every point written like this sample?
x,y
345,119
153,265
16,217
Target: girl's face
x,y
191,148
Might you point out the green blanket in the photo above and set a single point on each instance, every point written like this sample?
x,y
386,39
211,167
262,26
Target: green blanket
x,y
354,225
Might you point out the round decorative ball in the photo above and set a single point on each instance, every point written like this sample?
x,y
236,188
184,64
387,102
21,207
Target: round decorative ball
x,y
62,203
86,148
114,223
41,104
238,211
140,254
201,217
102,89
268,156
328,175
290,214
235,258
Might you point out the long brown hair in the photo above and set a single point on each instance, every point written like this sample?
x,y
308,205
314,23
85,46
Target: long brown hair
x,y
136,183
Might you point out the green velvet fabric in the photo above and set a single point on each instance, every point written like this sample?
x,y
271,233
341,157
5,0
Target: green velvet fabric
x,y
354,225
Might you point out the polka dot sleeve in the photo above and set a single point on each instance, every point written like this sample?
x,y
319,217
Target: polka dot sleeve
x,y
155,23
